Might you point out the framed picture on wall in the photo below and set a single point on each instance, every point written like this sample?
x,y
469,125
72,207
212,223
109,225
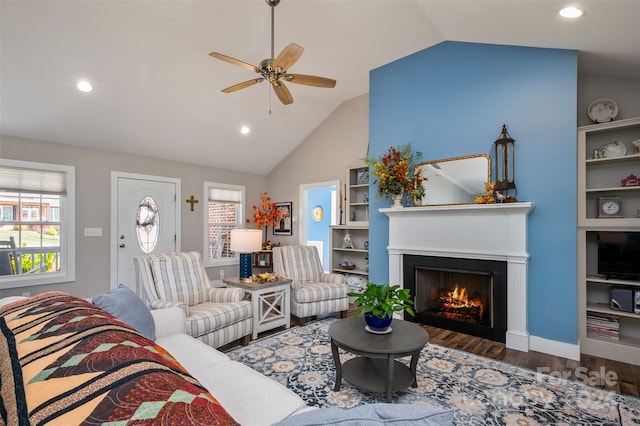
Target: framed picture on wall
x,y
284,227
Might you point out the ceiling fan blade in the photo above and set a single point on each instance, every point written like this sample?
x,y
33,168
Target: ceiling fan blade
x,y
242,85
311,80
283,93
288,56
233,61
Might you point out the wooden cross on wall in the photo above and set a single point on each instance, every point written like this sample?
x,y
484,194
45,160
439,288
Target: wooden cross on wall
x,y
192,201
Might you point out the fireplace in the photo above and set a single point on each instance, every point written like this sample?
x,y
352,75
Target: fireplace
x,y
465,295
471,232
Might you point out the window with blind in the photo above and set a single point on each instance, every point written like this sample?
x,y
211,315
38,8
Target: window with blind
x,y
224,212
37,223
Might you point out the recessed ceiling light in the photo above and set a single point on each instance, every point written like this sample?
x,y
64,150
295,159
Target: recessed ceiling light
x,y
571,12
84,86
245,130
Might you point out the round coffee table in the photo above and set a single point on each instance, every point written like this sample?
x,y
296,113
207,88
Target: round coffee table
x,y
376,369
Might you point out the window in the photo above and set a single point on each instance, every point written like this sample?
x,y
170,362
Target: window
x,y
37,223
224,212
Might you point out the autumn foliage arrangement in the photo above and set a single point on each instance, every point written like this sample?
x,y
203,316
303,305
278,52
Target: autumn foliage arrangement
x,y
394,172
267,214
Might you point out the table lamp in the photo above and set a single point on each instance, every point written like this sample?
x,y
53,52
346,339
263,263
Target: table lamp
x,y
245,242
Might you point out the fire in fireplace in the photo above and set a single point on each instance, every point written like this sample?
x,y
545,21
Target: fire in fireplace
x,y
466,295
458,304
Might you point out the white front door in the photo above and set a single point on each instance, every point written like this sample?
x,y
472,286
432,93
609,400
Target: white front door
x,y
147,222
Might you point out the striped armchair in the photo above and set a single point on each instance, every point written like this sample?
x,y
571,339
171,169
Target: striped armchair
x,y
216,316
313,292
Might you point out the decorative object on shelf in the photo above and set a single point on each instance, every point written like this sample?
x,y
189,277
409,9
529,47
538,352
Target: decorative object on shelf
x,y
381,301
245,242
192,201
395,173
363,177
471,172
347,243
348,265
365,197
613,149
505,162
397,200
596,153
636,146
490,194
630,180
317,214
609,207
343,196
269,214
602,110
366,245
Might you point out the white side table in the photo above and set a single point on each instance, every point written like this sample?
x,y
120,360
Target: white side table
x,y
271,303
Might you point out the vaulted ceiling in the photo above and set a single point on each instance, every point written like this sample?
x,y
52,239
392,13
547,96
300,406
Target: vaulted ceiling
x,y
157,92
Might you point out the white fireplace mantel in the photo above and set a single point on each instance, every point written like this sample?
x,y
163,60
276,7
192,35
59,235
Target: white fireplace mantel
x,y
470,231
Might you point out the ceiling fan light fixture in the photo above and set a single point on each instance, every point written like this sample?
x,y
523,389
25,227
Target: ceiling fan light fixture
x,y
571,12
274,69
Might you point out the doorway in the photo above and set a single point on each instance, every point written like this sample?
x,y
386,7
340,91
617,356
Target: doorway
x,y
145,219
318,211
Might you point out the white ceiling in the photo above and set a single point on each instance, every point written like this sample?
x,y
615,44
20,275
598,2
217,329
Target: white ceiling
x,y
157,92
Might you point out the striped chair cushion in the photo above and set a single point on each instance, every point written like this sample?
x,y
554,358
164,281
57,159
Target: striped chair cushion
x,y
315,292
206,317
180,277
301,263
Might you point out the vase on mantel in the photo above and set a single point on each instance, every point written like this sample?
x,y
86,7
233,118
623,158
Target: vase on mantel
x,y
397,201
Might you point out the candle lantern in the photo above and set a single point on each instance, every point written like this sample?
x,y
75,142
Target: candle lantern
x,y
505,146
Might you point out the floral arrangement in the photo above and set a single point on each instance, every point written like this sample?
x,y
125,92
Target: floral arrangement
x,y
394,172
267,214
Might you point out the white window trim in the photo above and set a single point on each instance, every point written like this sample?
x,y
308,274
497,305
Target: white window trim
x,y
67,238
205,248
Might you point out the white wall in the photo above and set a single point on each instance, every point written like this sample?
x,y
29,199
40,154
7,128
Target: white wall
x,y
341,140
625,93
93,174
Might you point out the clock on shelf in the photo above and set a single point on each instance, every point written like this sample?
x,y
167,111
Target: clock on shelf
x,y
609,207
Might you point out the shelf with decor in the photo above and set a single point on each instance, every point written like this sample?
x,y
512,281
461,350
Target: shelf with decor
x,y
356,255
356,211
609,174
620,339
608,189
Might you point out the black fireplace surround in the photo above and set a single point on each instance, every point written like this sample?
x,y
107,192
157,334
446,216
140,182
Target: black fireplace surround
x,y
495,331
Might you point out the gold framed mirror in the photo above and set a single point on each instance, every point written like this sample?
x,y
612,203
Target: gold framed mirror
x,y
454,180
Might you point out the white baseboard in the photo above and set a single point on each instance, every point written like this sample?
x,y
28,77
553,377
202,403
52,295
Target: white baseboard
x,y
553,347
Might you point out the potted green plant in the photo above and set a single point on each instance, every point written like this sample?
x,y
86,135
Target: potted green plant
x,y
378,303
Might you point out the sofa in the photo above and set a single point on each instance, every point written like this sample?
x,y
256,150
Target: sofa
x,y
78,363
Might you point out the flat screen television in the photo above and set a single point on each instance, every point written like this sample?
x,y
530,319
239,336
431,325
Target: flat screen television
x,y
619,254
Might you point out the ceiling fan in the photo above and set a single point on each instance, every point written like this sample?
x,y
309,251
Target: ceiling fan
x,y
274,70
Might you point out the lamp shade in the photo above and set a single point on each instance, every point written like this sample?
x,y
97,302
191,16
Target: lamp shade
x,y
246,240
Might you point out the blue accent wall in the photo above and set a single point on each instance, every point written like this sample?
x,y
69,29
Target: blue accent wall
x,y
451,100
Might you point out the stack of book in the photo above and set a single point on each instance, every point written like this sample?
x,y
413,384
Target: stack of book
x,y
603,326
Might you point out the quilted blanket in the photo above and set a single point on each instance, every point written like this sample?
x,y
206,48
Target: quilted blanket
x,y
64,361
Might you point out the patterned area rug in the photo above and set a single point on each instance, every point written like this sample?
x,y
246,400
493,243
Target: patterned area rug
x,y
480,391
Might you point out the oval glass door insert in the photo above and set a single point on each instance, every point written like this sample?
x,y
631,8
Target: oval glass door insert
x,y
147,225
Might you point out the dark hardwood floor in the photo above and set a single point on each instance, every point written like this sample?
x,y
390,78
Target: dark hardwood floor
x,y
615,376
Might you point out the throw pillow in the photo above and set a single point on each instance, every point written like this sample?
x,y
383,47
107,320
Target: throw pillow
x,y
125,305
380,414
